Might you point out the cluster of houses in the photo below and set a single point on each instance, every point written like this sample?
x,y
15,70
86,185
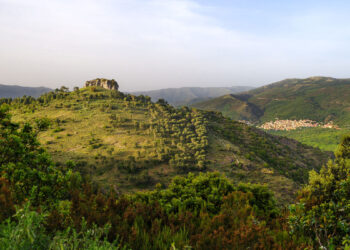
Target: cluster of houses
x,y
294,124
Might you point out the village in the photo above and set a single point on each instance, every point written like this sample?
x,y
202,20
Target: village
x,y
295,124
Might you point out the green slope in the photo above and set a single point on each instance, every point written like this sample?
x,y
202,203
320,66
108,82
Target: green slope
x,y
323,138
317,98
232,106
132,143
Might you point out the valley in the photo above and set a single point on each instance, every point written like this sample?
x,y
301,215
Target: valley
x,y
303,105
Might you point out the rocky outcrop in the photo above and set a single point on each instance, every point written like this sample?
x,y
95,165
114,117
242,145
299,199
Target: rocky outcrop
x,y
104,83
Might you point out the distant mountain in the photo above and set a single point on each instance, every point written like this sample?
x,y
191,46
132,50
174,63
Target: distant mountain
x,y
188,95
18,91
320,99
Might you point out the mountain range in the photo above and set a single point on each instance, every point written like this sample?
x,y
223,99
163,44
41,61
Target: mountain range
x,y
320,99
13,91
189,95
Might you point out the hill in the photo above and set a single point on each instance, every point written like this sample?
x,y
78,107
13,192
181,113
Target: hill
x,y
188,95
320,99
132,143
12,91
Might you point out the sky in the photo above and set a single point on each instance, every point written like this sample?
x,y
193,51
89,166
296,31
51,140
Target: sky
x,y
152,44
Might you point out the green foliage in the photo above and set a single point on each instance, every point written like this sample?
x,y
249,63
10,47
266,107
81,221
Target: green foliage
x,y
237,226
27,231
27,166
91,238
43,123
196,193
187,126
323,210
215,216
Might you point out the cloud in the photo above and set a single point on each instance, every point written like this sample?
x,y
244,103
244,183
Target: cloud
x,y
149,44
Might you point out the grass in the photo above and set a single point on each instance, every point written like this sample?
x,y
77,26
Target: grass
x,y
323,138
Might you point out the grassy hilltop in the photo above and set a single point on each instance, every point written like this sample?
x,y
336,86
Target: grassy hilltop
x,y
132,143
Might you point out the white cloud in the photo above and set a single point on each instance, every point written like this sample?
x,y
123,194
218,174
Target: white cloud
x,y
143,44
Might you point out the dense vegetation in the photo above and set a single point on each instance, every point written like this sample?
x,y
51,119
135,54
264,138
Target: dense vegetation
x,y
322,211
188,95
132,143
199,211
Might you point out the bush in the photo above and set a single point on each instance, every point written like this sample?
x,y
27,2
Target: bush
x,y
323,209
43,123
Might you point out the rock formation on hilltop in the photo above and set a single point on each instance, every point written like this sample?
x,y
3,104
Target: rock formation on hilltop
x,y
104,83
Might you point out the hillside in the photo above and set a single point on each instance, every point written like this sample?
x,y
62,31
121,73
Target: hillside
x,y
132,143
12,91
320,99
188,95
232,106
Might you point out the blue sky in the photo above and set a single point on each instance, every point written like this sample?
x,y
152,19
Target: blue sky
x,y
150,44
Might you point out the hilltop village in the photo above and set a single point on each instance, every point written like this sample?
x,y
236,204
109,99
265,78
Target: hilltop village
x,y
295,124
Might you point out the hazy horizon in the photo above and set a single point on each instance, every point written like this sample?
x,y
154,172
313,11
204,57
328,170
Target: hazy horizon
x,y
122,88
156,44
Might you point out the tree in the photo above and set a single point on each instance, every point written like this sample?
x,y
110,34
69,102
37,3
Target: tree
x,y
28,167
206,191
323,209
64,89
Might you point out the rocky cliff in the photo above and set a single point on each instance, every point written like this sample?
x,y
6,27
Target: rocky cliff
x,y
104,83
